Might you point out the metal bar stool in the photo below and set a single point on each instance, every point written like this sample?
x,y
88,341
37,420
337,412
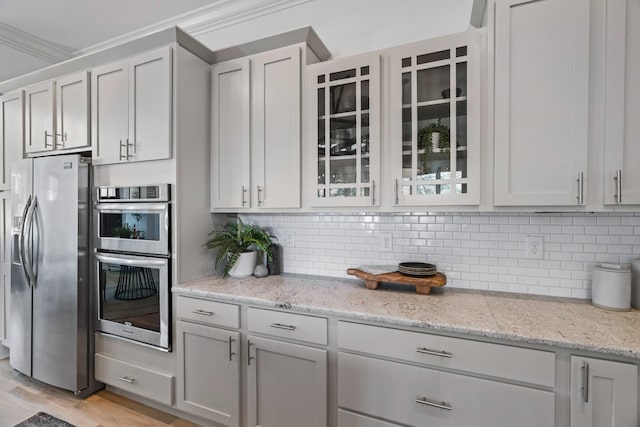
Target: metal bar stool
x,y
135,283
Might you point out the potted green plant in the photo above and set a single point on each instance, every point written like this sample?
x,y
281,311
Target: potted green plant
x,y
434,137
124,231
237,244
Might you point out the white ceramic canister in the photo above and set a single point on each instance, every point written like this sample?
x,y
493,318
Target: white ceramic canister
x,y
611,287
635,283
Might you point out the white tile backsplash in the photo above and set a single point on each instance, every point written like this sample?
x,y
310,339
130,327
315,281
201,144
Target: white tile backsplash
x,y
474,250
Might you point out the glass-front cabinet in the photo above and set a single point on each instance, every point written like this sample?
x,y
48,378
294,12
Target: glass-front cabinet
x,y
345,128
435,126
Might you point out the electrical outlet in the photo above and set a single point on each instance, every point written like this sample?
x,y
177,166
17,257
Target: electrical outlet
x,y
386,242
291,239
535,247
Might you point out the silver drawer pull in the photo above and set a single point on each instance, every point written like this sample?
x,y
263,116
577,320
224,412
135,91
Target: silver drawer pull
x,y
203,312
435,404
281,326
433,352
127,380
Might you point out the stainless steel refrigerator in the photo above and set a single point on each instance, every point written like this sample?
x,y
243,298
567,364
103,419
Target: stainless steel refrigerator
x,y
51,293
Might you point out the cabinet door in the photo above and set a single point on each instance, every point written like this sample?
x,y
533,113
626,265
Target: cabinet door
x,y
435,127
11,134
286,384
275,124
109,113
72,111
209,372
5,266
39,118
345,131
622,91
603,393
150,106
541,102
230,134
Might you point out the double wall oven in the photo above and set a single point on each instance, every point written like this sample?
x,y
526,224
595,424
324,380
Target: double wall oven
x,y
133,257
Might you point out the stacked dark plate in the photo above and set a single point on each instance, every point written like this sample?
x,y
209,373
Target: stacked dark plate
x,y
419,269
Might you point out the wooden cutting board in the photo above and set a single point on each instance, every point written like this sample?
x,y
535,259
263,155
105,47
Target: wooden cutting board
x,y
423,284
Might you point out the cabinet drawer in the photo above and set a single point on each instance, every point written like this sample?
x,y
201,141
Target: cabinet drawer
x,y
135,379
288,325
349,419
416,396
513,363
209,312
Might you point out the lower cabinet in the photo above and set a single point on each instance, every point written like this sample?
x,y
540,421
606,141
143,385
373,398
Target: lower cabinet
x,y
286,384
603,393
208,372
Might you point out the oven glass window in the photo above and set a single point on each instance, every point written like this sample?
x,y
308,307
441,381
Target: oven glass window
x,y
131,225
130,295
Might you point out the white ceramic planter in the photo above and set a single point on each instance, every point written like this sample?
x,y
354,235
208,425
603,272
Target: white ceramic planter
x,y
245,265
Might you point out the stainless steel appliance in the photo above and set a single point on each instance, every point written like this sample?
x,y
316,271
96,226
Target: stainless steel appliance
x,y
132,240
51,296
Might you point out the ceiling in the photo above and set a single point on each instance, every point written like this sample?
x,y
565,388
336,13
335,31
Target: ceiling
x,y
38,33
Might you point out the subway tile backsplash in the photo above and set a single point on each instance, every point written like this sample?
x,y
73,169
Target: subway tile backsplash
x,y
474,250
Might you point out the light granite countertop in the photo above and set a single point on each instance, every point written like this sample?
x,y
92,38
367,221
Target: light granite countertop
x,y
563,322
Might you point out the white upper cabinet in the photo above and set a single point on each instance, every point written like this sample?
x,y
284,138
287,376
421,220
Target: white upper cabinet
x,y
255,133
541,102
11,134
621,107
344,124
39,118
131,109
435,121
57,114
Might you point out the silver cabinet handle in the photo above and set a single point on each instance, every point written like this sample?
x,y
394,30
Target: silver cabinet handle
x,y
396,187
249,357
434,403
121,147
63,137
244,191
203,312
618,186
231,352
129,144
48,135
580,181
281,326
127,380
423,350
585,382
373,193
260,190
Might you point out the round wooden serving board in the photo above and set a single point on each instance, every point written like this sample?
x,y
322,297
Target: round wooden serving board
x,y
423,284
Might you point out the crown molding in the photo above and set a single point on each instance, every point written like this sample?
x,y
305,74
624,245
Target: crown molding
x,y
32,45
220,14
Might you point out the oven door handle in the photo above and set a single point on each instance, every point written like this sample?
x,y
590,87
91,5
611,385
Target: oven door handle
x,y
131,262
118,207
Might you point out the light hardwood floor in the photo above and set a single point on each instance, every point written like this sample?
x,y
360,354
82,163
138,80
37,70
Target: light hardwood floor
x,y
21,397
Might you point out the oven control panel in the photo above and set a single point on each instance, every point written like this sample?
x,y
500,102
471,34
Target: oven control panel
x,y
138,193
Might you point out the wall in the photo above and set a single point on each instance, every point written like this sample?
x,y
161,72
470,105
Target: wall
x,y
474,250
353,26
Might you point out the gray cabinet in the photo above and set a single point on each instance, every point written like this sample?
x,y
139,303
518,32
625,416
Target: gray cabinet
x,y
11,134
286,384
208,372
5,266
604,393
131,109
541,102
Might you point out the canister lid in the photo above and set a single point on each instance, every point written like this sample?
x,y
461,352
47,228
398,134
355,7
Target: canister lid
x,y
613,268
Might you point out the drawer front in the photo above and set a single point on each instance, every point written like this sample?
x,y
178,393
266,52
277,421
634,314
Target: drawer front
x,y
513,363
288,325
349,419
416,396
135,379
209,312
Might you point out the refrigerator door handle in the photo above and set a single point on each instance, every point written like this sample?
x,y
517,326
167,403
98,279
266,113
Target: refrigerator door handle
x,y
21,254
29,258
